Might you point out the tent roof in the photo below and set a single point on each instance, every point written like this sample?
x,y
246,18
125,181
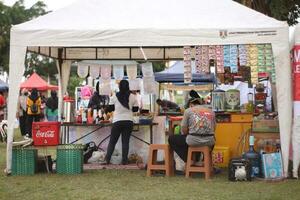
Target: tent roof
x,y
143,23
175,74
35,81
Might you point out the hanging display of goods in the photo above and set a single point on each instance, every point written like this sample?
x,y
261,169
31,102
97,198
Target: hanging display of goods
x,y
232,98
218,100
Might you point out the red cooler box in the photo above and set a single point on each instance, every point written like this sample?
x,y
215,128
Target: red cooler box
x,y
45,133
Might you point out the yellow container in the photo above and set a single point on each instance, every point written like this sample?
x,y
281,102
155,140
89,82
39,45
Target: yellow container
x,y
221,156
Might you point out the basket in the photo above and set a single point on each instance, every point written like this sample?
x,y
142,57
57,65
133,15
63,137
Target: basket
x,y
23,160
69,159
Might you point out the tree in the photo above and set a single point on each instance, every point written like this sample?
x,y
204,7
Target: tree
x,y
15,15
284,10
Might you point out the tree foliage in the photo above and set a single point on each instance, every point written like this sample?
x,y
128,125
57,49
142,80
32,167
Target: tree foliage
x,y
13,15
284,10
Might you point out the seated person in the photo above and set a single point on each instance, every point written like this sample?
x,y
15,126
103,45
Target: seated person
x,y
197,127
167,105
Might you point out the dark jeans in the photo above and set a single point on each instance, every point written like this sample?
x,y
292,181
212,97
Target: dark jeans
x,y
118,128
22,121
179,145
30,119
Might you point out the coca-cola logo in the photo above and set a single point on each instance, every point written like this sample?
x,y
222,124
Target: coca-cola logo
x,y
45,134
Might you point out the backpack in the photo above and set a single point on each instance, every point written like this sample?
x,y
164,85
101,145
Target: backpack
x,y
34,108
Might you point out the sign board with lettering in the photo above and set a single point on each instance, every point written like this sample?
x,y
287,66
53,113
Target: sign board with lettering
x,y
45,133
296,72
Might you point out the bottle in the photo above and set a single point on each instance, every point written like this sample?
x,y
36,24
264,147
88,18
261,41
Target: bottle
x,y
84,117
254,158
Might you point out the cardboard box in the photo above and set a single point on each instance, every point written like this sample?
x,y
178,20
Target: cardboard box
x,y
265,125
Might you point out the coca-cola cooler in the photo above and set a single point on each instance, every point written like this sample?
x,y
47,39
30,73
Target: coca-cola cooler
x,y
45,133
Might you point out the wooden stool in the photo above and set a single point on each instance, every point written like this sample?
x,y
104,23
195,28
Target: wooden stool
x,y
207,165
168,165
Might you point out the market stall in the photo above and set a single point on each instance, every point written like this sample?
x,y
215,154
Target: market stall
x,y
120,32
35,81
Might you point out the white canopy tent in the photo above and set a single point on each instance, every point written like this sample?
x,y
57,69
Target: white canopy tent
x,y
116,29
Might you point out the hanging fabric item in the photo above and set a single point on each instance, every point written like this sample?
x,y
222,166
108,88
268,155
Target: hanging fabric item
x,y
90,81
135,84
219,59
82,70
118,72
261,61
131,71
198,58
233,58
243,55
105,72
149,85
147,69
187,64
105,86
94,71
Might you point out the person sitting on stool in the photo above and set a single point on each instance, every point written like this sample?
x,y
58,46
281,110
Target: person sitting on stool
x,y
197,127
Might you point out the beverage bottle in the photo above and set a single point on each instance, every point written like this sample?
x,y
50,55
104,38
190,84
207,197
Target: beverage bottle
x,y
254,158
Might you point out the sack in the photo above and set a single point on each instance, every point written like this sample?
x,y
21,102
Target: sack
x,y
34,108
88,150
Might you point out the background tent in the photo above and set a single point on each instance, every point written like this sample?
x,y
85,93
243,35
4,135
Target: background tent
x,y
35,81
140,29
175,74
3,86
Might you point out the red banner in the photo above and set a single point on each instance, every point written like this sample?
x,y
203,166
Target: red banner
x,y
296,72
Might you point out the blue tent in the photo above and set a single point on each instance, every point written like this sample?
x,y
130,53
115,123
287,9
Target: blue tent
x,y
3,86
174,74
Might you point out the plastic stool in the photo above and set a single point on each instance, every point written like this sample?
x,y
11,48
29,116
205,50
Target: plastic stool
x,y
207,164
167,166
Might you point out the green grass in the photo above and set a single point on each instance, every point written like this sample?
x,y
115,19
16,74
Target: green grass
x,y
133,184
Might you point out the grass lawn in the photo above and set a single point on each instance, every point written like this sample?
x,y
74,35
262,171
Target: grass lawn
x,y
133,184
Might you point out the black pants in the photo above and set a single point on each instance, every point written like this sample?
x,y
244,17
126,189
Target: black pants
x,y
179,145
118,128
30,119
22,121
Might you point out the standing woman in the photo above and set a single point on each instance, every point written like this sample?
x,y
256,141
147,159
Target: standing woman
x,y
33,110
125,104
52,107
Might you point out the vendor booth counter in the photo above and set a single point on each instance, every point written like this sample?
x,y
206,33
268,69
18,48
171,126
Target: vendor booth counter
x,y
142,136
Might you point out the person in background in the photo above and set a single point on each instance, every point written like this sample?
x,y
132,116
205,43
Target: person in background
x,y
197,127
52,107
2,105
98,101
167,105
33,110
22,110
125,104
